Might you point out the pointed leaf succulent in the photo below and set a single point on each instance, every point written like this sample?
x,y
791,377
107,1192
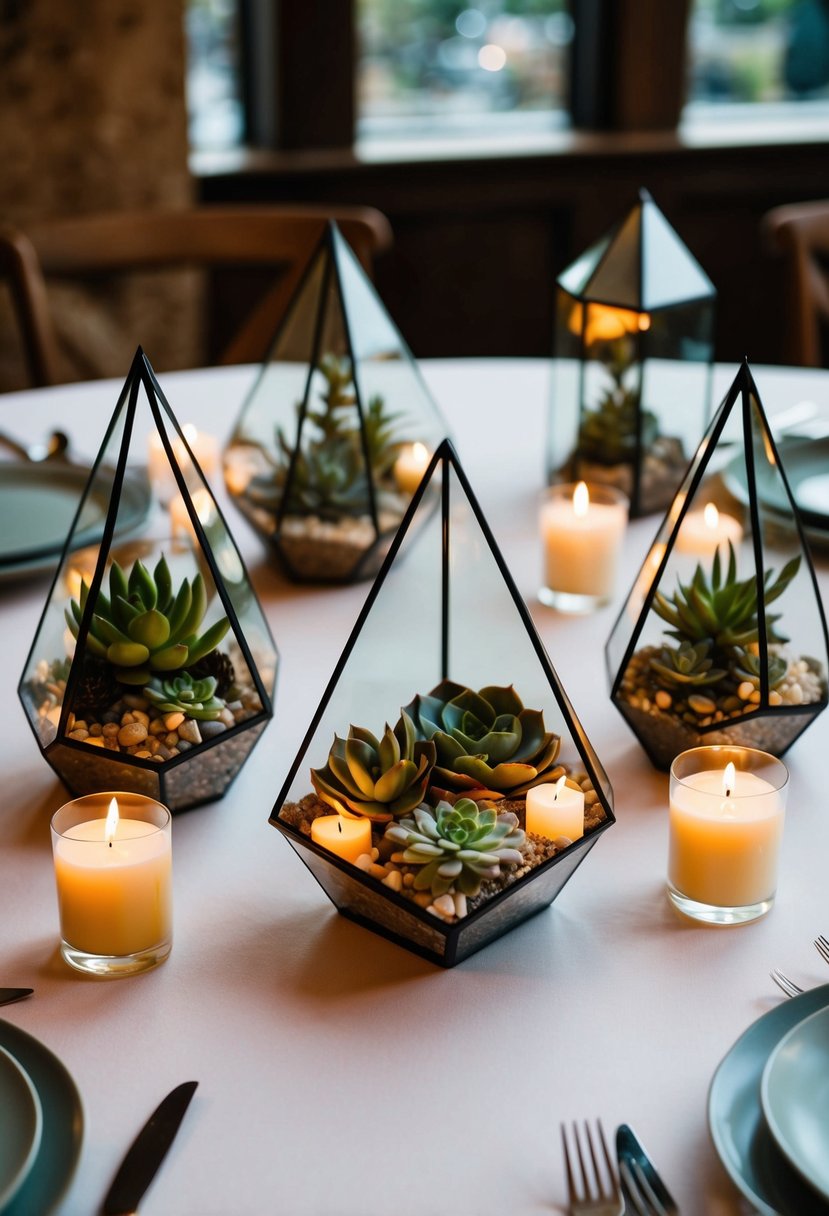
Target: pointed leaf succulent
x,y
687,665
183,693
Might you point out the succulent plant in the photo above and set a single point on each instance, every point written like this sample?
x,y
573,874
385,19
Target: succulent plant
x,y
218,665
610,432
723,608
688,664
488,745
194,697
142,626
457,846
378,778
748,666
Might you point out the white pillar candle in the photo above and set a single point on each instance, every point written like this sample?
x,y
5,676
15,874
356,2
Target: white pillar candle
x,y
555,810
348,838
113,875
702,533
582,530
410,466
725,831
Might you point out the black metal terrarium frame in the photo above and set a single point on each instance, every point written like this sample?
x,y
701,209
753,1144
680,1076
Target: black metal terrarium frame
x,y
740,729
363,898
141,374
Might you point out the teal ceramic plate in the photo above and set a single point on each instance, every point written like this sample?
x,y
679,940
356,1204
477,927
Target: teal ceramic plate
x,y
795,1096
806,462
37,506
62,1129
741,1137
20,1126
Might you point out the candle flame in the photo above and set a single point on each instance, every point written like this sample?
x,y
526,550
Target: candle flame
x,y
581,499
644,323
190,433
559,786
729,779
420,454
711,516
111,826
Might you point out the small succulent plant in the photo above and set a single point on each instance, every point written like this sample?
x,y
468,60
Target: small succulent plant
x,y
687,665
748,667
610,432
488,745
378,778
458,846
194,697
142,626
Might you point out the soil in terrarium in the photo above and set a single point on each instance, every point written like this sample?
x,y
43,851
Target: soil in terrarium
x,y
445,792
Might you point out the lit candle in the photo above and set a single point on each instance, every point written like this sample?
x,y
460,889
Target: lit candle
x,y
348,838
704,532
114,879
180,523
555,810
582,531
410,466
725,829
204,447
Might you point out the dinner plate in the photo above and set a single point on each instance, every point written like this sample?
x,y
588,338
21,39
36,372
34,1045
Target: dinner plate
x,y
806,462
21,1121
794,1093
741,1137
62,1126
38,503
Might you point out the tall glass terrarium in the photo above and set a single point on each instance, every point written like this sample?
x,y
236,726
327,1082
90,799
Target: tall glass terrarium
x,y
633,357
338,429
445,790
153,668
722,639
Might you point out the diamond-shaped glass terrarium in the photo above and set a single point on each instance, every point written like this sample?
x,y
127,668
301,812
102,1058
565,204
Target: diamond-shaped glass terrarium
x,y
338,429
153,668
722,639
445,790
633,352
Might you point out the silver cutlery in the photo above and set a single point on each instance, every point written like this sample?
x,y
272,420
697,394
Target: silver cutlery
x,y
54,447
645,1188
146,1153
784,983
822,947
598,1192
9,995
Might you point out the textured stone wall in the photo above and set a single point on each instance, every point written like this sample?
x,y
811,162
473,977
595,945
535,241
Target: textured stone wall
x,y
93,118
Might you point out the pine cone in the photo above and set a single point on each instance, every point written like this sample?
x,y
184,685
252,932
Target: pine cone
x,y
96,690
220,667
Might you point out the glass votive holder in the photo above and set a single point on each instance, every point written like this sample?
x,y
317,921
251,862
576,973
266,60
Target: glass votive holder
x,y
113,869
727,806
582,529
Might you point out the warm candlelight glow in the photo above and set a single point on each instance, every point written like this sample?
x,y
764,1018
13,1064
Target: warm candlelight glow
x,y
711,516
410,466
111,825
559,786
581,500
729,779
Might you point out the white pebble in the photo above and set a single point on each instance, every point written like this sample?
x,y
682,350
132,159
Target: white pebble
x,y
363,862
445,905
459,900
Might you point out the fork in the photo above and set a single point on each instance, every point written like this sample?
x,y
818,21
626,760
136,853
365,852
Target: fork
x,y
784,983
822,947
597,1196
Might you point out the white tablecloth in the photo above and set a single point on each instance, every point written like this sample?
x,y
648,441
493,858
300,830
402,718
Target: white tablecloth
x,y
339,1074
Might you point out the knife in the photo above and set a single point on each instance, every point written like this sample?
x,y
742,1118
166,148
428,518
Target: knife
x,y
639,1173
8,995
147,1152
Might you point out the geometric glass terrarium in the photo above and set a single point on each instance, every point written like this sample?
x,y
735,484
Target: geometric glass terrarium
x,y
445,790
152,669
632,365
338,429
723,638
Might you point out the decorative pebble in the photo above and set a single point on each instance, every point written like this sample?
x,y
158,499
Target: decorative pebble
x,y
459,900
132,733
158,727
445,905
78,734
562,842
126,719
96,729
209,730
96,740
745,690
775,697
423,899
363,862
663,699
394,880
135,700
375,853
701,705
173,721
377,871
110,730
189,731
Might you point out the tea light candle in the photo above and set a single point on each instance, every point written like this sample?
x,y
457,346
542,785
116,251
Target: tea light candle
x,y
114,879
348,838
582,528
205,448
555,810
410,466
704,532
180,523
725,829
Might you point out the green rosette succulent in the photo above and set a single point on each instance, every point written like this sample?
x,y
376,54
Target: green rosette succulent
x,y
183,693
488,745
143,626
458,846
687,666
748,667
378,778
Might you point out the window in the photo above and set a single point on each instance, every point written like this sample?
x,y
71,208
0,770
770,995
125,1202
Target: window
x,y
214,90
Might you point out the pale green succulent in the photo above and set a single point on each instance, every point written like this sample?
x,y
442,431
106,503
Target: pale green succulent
x,y
183,693
378,778
488,745
748,667
687,665
457,847
142,627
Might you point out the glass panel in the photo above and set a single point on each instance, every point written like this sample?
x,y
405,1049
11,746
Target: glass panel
x,y
214,86
616,279
669,272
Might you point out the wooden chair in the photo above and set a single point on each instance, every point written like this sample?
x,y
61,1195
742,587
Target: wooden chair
x,y
800,232
89,248
20,269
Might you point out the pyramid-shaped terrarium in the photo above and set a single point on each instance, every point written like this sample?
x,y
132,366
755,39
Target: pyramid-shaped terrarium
x,y
153,668
723,638
338,429
445,790
633,351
